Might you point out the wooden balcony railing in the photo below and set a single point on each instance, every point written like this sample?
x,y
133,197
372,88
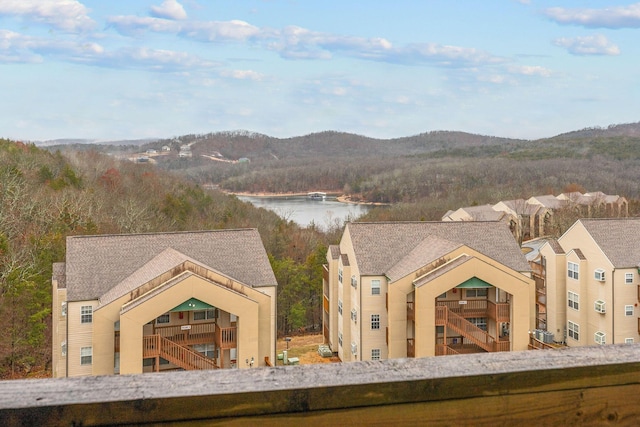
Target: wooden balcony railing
x,y
591,385
184,357
226,337
411,313
196,333
411,347
500,312
477,336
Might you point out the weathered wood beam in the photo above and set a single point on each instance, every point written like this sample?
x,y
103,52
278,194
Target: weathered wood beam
x,y
582,386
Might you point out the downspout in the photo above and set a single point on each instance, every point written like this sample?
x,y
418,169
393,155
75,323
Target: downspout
x,y
613,306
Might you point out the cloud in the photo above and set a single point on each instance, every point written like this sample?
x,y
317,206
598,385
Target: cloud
x,y
169,9
588,45
530,70
242,75
611,17
67,15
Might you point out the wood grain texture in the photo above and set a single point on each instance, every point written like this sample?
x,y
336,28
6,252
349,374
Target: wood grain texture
x,y
584,386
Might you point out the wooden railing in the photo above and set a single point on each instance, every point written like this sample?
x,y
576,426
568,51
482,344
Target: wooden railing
x,y
184,357
445,350
445,317
500,312
411,347
586,386
226,337
411,313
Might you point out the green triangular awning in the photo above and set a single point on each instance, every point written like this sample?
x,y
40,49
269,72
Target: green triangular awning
x,y
192,304
474,282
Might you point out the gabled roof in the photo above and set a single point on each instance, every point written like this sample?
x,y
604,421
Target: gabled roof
x,y
427,251
95,264
380,246
548,201
619,239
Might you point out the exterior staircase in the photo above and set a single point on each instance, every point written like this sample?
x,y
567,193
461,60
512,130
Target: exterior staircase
x,y
447,318
182,356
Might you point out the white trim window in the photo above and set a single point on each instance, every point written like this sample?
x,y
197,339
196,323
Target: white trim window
x,y
628,278
375,354
628,310
375,321
340,307
477,292
628,340
340,339
573,300
340,275
573,270
86,314
375,287
573,330
204,314
86,355
479,322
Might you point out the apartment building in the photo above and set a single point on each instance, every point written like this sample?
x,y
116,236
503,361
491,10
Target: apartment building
x,y
148,302
420,289
592,281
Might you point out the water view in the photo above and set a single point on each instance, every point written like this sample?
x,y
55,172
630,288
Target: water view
x,y
305,211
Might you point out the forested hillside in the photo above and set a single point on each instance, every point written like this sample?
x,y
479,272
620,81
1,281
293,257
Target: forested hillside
x,y
47,196
423,175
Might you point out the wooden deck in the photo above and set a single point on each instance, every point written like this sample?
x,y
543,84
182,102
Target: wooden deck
x,y
588,386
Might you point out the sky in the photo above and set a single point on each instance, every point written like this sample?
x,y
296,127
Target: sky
x,y
132,69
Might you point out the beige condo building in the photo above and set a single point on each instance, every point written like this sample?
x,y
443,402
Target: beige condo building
x,y
592,281
416,289
148,302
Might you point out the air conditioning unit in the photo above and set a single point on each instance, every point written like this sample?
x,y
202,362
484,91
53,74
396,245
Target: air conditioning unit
x,y
354,315
600,337
599,275
354,282
354,348
599,306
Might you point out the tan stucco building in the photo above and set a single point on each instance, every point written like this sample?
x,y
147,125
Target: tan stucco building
x,y
592,281
419,289
148,302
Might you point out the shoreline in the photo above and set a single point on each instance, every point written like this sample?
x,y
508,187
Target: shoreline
x,y
342,198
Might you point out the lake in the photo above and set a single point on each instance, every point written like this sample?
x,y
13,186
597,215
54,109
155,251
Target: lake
x,y
303,211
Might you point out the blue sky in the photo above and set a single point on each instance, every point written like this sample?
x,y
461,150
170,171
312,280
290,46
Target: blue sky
x,y
110,70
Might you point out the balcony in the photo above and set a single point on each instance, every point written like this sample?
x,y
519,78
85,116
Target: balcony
x,y
411,312
500,312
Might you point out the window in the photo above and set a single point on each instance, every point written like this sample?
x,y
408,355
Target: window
x,y
375,321
204,314
63,309
628,310
63,350
573,300
354,315
340,306
600,338
86,314
628,340
354,282
477,293
375,287
573,330
572,270
628,278
375,354
86,355
163,318
340,339
340,275
480,322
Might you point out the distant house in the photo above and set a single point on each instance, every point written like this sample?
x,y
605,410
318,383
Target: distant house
x,y
419,289
152,151
149,302
166,148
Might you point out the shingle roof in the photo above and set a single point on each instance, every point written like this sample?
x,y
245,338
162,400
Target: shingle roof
x,y
619,239
381,245
427,251
334,251
95,264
